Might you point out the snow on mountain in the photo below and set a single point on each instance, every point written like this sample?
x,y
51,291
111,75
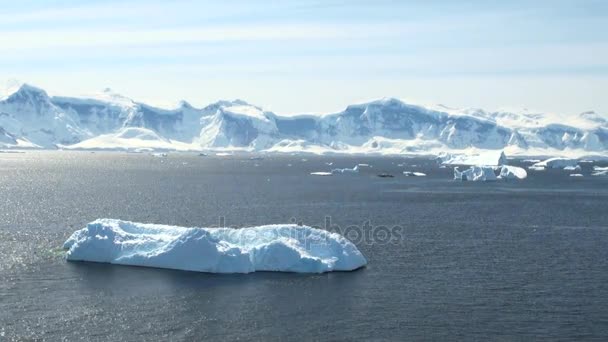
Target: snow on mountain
x,y
30,118
238,125
28,114
131,139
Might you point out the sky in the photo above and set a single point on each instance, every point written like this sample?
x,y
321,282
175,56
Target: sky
x,y
315,56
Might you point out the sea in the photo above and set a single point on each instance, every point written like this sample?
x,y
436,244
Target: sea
x,y
447,260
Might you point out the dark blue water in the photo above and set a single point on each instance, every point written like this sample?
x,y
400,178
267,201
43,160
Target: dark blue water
x,y
471,261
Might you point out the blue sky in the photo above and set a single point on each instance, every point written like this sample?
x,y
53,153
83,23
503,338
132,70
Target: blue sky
x,y
315,56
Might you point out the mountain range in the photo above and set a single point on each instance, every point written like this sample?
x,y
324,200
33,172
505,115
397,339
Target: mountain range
x,y
30,118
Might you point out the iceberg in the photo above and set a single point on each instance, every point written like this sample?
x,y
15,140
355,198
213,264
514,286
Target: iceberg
x,y
475,173
512,172
599,168
557,163
576,175
486,158
282,248
572,168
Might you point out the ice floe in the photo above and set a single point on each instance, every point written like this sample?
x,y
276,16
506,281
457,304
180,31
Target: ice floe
x,y
321,173
414,174
283,248
346,170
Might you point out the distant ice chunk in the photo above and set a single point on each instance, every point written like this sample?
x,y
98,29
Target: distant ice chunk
x,y
159,155
321,173
600,173
414,174
599,168
512,172
576,175
557,163
572,168
536,168
346,170
283,248
486,158
475,173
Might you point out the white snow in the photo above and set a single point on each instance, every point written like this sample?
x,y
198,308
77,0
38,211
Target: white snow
x,y
283,248
557,163
599,168
131,139
600,173
486,158
572,168
512,172
475,173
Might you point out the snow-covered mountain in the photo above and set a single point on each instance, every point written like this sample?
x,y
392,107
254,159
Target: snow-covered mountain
x,y
30,118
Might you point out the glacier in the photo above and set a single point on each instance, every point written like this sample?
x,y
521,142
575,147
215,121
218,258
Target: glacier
x,y
31,118
282,248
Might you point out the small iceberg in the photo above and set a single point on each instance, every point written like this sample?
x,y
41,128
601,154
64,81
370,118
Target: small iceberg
x,y
572,168
475,173
414,174
159,155
536,168
576,175
321,173
599,168
346,170
281,248
557,163
512,172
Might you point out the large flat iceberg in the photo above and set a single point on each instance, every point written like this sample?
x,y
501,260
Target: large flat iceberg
x,y
283,248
